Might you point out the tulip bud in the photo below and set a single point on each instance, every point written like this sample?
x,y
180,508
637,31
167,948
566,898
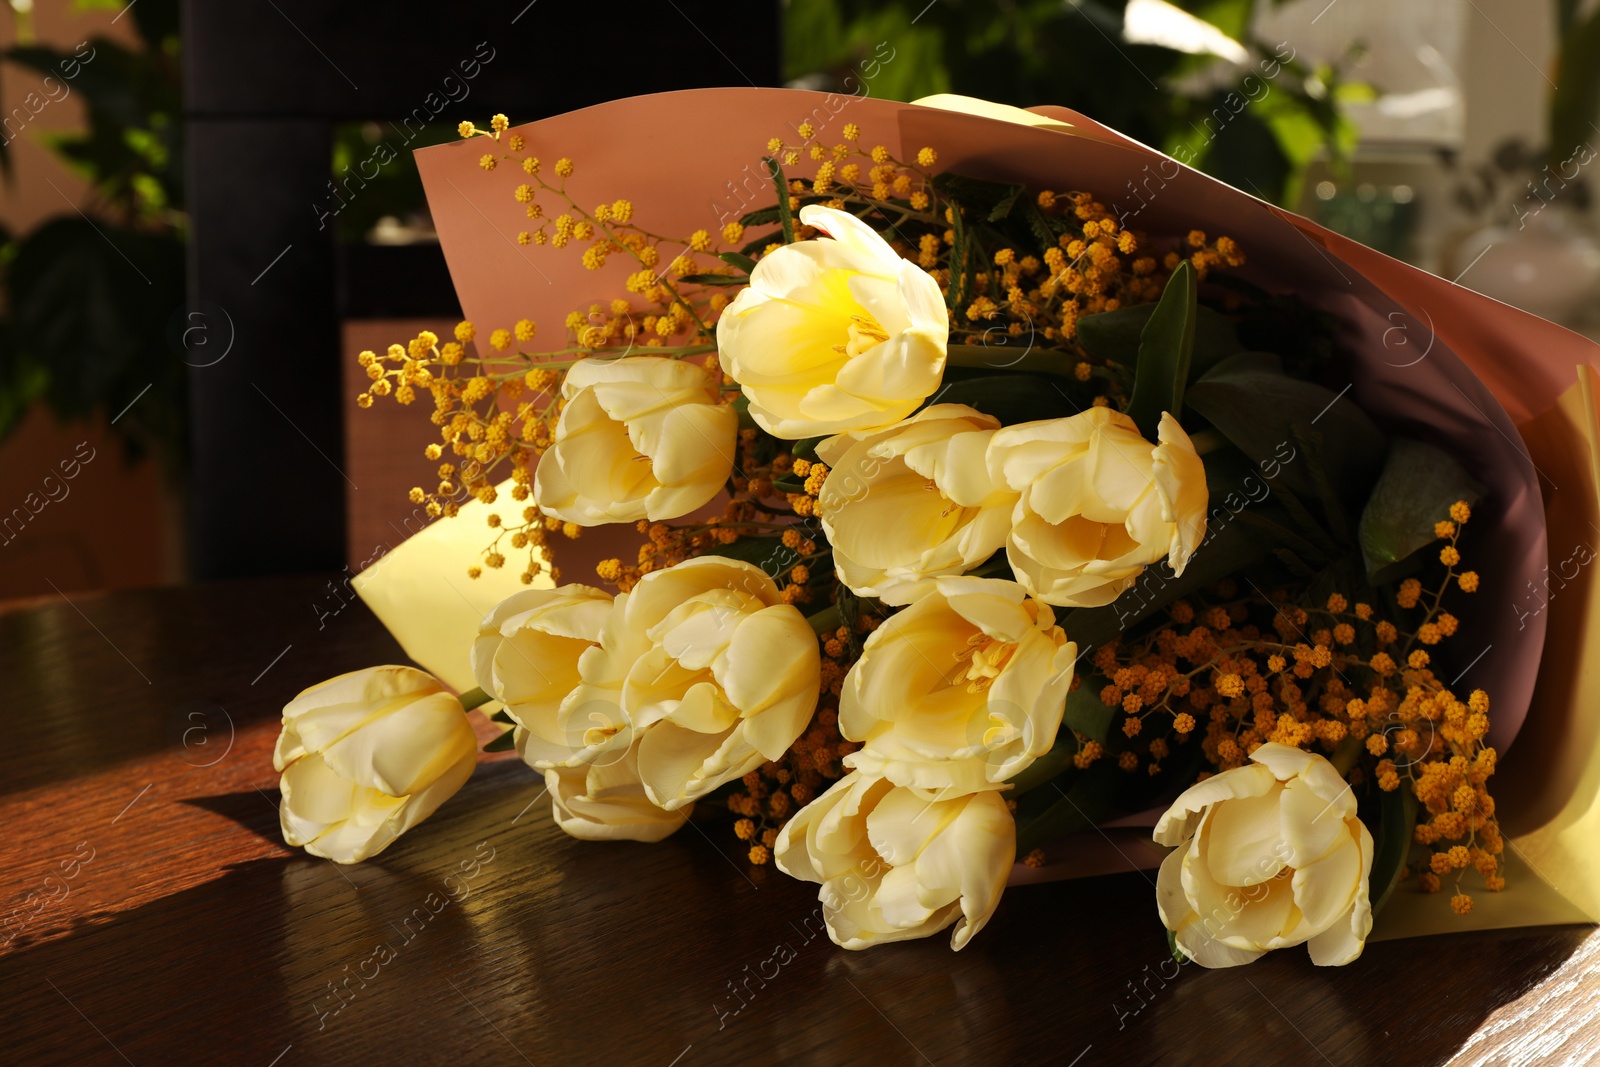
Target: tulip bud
x,y
366,756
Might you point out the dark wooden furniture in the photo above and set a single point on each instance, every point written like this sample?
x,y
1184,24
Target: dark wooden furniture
x,y
264,83
137,802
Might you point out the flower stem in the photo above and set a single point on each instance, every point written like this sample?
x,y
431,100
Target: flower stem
x,y
999,359
474,698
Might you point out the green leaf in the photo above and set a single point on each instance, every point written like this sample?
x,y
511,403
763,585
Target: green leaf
x,y
1086,713
1166,346
504,743
503,716
785,219
827,620
1178,955
1282,533
1077,806
1332,507
1397,818
1013,358
1418,484
1003,208
1114,335
806,447
1042,771
734,259
761,216
1045,228
715,279
1257,407
1011,398
1575,101
985,199
768,553
1227,549
955,294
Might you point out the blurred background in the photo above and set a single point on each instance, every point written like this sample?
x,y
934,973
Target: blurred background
x,y
206,210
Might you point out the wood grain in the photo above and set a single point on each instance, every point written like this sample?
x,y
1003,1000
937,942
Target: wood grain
x,y
169,923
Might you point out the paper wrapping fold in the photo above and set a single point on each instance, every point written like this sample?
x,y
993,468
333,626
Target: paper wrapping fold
x,y
421,593
1431,358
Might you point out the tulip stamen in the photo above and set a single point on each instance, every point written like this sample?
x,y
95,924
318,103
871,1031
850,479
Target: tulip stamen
x,y
865,335
987,658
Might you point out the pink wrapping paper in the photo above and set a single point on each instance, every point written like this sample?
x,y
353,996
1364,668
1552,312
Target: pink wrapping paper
x,y
1429,358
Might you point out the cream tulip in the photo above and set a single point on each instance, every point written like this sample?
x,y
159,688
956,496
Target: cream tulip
x,y
366,756
606,802
960,691
1098,503
528,656
1268,855
896,863
641,437
905,505
835,335
715,674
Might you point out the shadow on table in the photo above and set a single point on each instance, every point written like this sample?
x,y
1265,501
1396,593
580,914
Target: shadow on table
x,y
486,935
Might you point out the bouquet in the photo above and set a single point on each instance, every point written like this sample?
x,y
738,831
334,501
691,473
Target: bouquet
x,y
949,486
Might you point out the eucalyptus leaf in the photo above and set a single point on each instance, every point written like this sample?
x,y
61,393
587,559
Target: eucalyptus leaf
x,y
1166,345
1418,484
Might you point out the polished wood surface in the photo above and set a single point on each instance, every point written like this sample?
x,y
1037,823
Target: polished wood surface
x,y
150,913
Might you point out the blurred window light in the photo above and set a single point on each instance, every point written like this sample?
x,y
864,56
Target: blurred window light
x,y
1156,22
1410,53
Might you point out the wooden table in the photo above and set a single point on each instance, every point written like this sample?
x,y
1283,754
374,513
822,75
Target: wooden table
x,y
169,923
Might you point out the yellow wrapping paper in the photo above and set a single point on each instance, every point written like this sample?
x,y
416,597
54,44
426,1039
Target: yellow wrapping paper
x,y
421,593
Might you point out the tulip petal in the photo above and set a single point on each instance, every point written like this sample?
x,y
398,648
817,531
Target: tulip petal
x,y
1311,827
1343,941
400,752
902,824
1287,761
1180,478
1326,889
329,710
898,902
1207,951
1251,780
1171,903
609,814
776,703
1246,840
973,856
